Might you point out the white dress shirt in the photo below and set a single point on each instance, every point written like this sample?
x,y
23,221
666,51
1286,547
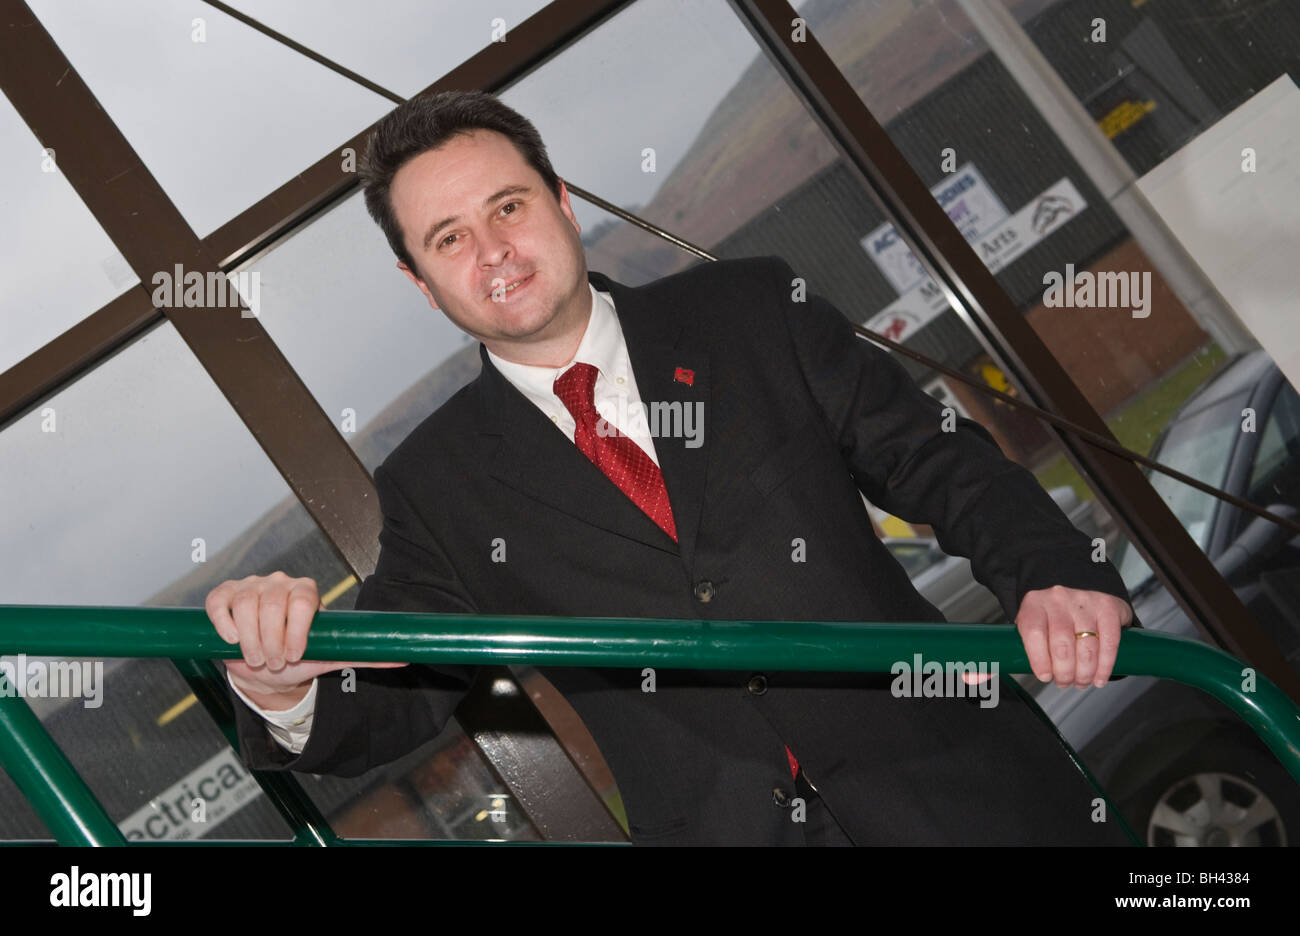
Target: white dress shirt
x,y
616,399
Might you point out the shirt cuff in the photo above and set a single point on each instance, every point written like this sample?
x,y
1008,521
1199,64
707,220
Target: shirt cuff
x,y
290,727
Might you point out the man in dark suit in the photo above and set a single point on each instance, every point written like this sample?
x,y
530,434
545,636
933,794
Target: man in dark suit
x,y
537,489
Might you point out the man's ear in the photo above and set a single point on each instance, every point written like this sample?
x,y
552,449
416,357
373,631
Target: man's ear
x,y
433,302
566,208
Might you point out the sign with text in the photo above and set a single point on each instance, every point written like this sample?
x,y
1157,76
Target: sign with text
x,y
971,204
222,784
997,244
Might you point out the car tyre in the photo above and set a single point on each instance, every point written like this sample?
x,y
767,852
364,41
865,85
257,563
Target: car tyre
x,y
1220,794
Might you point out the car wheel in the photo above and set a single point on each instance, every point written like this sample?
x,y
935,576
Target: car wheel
x,y
1225,795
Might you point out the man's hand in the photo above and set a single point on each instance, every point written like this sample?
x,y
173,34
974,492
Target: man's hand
x,y
1049,620
269,617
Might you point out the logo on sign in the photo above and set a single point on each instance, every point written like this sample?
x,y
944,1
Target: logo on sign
x,y
1047,210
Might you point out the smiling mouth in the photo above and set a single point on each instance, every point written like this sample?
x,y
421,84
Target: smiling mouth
x,y
511,287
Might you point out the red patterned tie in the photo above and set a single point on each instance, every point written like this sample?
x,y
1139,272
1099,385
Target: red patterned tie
x,y
621,459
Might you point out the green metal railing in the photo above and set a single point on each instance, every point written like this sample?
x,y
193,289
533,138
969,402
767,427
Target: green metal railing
x,y
73,814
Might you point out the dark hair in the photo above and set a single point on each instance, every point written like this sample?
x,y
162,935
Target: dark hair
x,y
427,122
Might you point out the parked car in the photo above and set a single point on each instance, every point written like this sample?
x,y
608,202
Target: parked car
x,y
1180,766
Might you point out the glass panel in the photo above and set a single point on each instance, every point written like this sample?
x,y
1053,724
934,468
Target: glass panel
x,y
1170,368
220,113
400,359
682,150
149,753
401,45
20,822
56,262
98,528
1200,446
443,790
1163,72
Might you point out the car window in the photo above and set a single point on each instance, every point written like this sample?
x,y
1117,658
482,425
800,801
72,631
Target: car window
x,y
1271,453
1280,439
1199,445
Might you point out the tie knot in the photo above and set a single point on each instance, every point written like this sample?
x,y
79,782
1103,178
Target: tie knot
x,y
576,388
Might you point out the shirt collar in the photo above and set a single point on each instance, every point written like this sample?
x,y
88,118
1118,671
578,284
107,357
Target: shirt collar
x,y
599,347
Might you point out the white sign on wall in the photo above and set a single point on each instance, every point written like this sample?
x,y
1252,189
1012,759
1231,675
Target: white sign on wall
x,y
222,783
997,239
971,204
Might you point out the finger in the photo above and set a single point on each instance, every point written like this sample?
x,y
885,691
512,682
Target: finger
x,y
1109,637
330,667
303,605
1086,649
1060,636
1084,613
243,607
272,616
1032,624
217,605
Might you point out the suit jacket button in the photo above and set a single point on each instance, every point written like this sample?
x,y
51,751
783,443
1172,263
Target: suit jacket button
x,y
757,684
780,797
704,590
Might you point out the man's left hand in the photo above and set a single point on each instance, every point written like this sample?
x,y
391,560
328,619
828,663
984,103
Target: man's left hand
x,y
1049,620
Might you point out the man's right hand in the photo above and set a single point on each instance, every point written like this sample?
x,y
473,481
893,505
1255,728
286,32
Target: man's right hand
x,y
269,617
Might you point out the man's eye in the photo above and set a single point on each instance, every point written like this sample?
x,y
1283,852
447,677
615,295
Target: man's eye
x,y
446,240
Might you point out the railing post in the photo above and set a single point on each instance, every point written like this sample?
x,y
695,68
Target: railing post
x,y
40,769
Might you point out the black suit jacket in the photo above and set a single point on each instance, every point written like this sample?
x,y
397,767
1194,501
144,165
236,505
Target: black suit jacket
x,y
799,416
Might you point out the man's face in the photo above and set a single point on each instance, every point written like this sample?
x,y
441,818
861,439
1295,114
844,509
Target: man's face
x,y
476,219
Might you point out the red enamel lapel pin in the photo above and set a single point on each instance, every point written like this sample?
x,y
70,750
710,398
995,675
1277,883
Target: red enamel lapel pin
x,y
684,376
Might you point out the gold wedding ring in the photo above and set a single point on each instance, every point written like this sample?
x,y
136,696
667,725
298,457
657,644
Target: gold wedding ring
x,y
1085,634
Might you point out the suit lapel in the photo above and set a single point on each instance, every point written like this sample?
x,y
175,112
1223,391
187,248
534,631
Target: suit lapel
x,y
526,451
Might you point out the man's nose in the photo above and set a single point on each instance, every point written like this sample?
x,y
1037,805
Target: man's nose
x,y
494,250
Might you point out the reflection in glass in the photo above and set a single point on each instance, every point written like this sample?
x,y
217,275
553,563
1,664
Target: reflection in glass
x,y
92,524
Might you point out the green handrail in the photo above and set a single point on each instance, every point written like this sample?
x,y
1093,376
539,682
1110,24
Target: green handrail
x,y
73,814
